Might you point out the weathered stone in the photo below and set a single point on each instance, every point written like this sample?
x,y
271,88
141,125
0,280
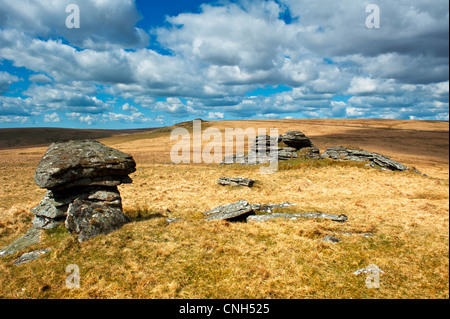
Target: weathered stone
x,y
31,237
46,222
263,142
354,154
237,211
296,139
268,208
231,159
65,163
371,269
236,181
311,152
333,217
263,218
287,153
331,239
47,208
88,219
173,220
33,255
101,181
52,210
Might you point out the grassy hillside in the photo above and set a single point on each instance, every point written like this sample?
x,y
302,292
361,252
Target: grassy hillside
x,y
23,137
406,213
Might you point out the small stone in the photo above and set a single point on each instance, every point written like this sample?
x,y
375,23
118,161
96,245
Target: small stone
x,y
33,255
236,181
173,220
331,239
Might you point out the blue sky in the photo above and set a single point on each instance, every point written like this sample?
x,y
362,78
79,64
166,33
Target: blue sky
x,y
134,64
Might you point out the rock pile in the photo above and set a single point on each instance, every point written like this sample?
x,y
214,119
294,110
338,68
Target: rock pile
x,y
355,154
81,178
292,144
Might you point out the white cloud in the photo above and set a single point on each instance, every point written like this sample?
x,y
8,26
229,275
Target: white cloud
x,y
215,115
40,78
13,119
129,108
52,118
221,53
103,24
6,80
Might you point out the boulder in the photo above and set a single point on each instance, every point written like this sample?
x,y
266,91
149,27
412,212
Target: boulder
x,y
296,139
88,219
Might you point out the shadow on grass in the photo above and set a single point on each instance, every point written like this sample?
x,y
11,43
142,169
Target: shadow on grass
x,y
138,216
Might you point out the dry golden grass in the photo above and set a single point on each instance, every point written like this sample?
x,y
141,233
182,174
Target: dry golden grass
x,y
407,213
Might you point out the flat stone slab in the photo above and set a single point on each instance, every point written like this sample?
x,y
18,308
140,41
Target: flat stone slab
x,y
33,255
267,208
352,154
237,211
263,218
31,237
80,163
236,181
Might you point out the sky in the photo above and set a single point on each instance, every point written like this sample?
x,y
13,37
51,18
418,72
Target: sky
x,y
137,64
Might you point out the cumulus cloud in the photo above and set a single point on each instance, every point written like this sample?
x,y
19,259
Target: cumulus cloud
x,y
212,59
6,80
91,119
40,78
215,115
103,24
52,118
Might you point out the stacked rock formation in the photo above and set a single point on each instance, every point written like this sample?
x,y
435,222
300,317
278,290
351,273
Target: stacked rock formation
x,y
294,144
81,178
